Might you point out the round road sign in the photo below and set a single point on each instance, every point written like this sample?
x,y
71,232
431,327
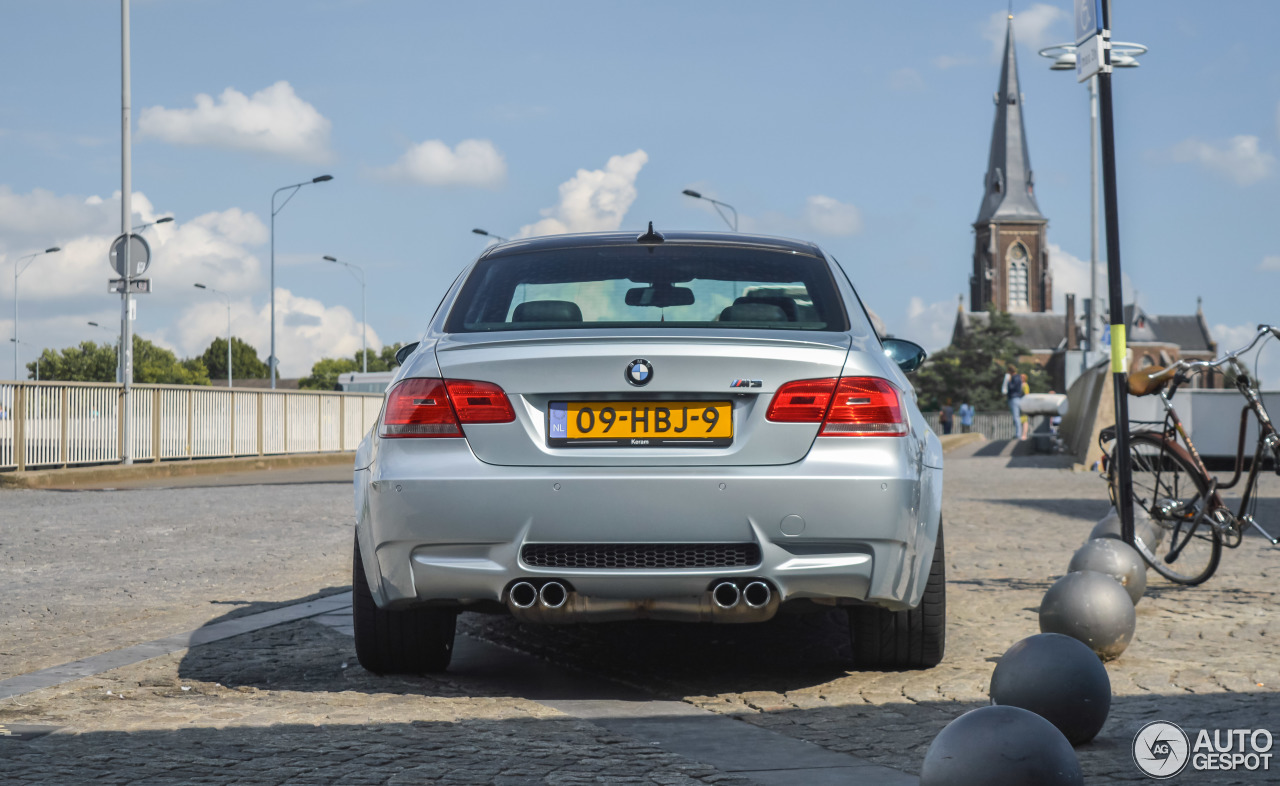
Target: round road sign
x,y
139,255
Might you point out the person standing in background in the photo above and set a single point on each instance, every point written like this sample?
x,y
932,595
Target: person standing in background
x,y
946,417
1011,388
966,417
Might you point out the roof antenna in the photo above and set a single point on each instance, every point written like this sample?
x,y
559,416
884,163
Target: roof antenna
x,y
650,237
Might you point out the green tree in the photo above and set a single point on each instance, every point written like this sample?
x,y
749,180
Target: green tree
x,y
88,362
156,365
325,372
972,368
244,360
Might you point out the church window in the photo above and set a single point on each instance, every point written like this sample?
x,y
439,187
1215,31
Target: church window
x,y
1019,291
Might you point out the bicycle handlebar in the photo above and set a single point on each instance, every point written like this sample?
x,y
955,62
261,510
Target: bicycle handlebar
x,y
1202,365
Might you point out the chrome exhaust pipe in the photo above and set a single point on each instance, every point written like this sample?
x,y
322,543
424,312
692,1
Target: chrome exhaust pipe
x,y
523,595
726,594
757,594
553,595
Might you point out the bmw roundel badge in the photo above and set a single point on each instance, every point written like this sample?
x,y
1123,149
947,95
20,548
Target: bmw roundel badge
x,y
639,372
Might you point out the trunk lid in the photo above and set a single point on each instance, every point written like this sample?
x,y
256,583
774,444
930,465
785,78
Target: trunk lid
x,y
537,372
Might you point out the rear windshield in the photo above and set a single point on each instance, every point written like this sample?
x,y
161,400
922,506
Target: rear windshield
x,y
648,287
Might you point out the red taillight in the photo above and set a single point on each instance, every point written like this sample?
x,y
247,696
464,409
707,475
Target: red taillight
x,y
864,407
802,401
846,407
439,407
419,408
479,402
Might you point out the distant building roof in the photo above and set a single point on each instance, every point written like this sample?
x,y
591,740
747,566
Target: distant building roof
x,y
1041,331
1189,332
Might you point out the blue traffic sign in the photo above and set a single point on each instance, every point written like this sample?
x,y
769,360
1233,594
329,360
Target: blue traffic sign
x,y
1088,19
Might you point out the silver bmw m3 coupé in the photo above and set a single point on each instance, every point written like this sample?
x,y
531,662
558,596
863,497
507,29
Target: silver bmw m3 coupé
x,y
698,426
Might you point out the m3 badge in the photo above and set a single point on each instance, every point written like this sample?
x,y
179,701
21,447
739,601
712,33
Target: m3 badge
x,y
747,383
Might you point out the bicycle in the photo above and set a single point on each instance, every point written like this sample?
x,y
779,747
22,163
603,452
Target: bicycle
x,y
1171,483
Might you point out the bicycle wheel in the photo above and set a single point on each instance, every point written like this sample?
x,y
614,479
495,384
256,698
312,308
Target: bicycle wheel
x,y
1167,485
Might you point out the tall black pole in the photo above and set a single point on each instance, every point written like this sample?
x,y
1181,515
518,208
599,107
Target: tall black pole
x,y
1119,375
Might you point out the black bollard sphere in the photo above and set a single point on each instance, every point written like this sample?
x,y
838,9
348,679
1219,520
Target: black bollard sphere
x,y
1116,559
1059,679
1090,607
1144,529
1001,745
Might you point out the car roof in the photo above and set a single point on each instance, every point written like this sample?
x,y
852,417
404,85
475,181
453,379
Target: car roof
x,y
670,238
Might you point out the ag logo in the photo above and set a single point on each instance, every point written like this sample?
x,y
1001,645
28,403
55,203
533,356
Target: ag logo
x,y
1160,749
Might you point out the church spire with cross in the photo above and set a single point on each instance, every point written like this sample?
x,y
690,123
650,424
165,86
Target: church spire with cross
x,y
1010,261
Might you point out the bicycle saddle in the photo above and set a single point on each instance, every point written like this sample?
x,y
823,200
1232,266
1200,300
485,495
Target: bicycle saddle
x,y
1149,380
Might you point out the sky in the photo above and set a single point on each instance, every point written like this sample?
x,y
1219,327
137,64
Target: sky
x,y
863,126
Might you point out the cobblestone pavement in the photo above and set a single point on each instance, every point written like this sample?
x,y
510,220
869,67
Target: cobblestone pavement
x,y
90,571
289,704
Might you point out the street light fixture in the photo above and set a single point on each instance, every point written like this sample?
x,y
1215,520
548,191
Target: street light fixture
x,y
293,189
498,238
18,269
364,351
1123,55
689,192
144,227
227,298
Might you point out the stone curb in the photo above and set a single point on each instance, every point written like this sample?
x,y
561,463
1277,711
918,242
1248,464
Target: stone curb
x,y
77,476
952,441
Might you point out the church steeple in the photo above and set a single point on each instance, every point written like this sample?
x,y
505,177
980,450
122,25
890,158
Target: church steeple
x,y
1010,256
1010,192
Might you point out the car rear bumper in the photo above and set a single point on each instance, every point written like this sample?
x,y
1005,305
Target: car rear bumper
x,y
855,521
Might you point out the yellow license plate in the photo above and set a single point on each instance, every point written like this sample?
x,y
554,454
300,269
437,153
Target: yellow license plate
x,y
640,424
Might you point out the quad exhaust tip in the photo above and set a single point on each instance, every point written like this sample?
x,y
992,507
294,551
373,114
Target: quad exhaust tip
x,y
726,594
523,595
757,594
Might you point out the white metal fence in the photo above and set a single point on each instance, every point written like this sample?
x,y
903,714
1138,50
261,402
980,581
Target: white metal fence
x,y
56,424
997,424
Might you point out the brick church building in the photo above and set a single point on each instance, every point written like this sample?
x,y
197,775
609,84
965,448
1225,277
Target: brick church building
x,y
1011,260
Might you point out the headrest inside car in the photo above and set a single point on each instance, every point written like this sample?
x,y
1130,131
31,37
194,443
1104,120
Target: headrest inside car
x,y
787,304
753,312
547,311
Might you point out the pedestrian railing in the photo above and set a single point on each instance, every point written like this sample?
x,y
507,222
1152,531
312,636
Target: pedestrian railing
x,y
59,424
992,425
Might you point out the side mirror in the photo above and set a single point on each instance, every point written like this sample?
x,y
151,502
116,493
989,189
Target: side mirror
x,y
404,352
907,354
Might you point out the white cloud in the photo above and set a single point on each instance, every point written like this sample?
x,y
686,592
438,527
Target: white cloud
x,y
273,120
473,162
1238,159
1266,357
1270,262
907,79
1071,276
594,200
929,324
63,291
1033,28
944,62
829,216
306,330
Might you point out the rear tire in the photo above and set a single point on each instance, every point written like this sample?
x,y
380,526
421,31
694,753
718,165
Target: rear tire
x,y
913,639
412,641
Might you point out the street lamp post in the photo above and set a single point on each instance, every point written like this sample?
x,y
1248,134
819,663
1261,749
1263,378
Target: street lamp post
x,y
18,269
16,342
115,342
689,192
498,238
148,225
227,298
293,189
364,328
1123,55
